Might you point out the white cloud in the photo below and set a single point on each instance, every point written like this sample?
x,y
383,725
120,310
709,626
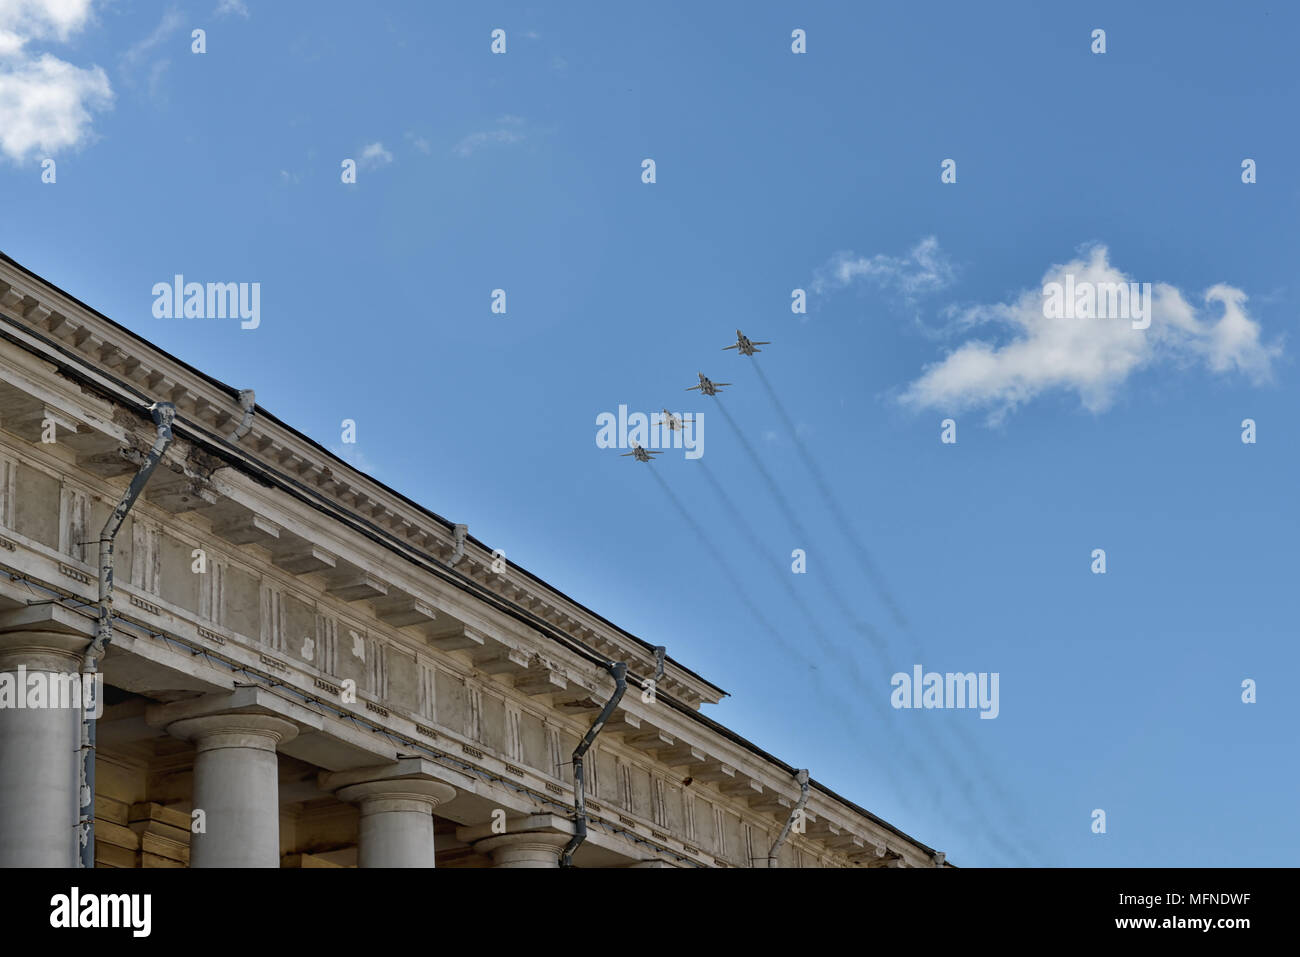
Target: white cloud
x,y
503,135
925,269
43,19
1091,358
45,103
375,155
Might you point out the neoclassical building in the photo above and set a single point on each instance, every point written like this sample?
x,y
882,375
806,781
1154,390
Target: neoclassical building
x,y
305,669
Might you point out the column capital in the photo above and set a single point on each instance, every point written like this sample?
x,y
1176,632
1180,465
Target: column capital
x,y
263,732
408,784
41,651
243,718
43,638
417,777
532,841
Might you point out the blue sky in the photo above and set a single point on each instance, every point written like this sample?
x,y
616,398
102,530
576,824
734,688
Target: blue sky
x,y
774,171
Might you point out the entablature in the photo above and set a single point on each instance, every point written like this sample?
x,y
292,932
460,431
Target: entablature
x,y
213,409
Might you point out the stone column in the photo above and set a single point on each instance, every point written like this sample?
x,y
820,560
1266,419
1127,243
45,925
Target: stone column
x,y
533,841
396,803
237,786
39,805
541,849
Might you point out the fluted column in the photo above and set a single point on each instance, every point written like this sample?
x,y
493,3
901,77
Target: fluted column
x,y
237,787
39,804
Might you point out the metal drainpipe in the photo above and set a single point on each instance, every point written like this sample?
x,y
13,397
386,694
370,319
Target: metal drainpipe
x,y
163,413
802,778
459,531
247,402
619,671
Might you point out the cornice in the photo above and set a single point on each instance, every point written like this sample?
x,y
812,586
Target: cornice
x,y
207,403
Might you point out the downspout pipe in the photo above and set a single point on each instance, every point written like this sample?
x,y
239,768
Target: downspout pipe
x,y
163,413
802,778
247,402
459,532
618,669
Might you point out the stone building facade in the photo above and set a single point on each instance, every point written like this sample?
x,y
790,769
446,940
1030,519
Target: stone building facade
x,y
309,670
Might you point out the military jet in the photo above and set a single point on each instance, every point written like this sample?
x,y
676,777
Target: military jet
x,y
746,347
674,422
706,386
640,454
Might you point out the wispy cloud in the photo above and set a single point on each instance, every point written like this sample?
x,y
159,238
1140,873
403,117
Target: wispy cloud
x,y
375,155
157,78
45,103
1091,358
508,130
231,8
924,269
168,26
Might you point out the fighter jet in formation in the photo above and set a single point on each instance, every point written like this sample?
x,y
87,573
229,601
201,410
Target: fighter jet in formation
x,y
746,347
706,386
640,454
674,423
